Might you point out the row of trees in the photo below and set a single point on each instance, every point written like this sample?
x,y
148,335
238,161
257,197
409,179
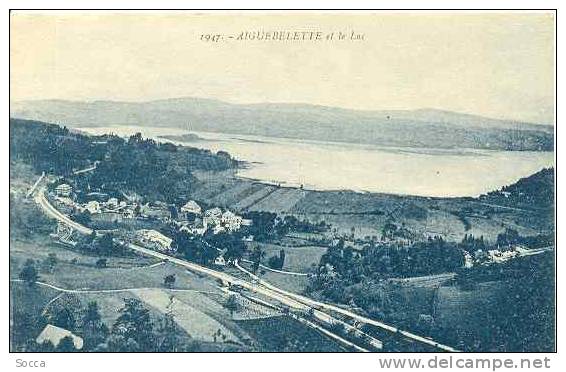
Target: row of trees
x,y
342,267
275,261
103,245
268,225
205,249
343,271
432,256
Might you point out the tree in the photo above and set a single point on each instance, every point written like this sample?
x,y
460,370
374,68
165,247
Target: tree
x,y
82,217
170,335
507,238
281,258
101,263
174,212
45,347
231,242
169,331
64,317
93,329
26,325
105,245
194,249
169,280
50,262
275,262
89,239
120,344
263,225
66,345
135,323
232,304
256,257
29,272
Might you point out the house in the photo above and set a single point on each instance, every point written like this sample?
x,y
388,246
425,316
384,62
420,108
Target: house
x,y
498,256
92,206
112,203
231,221
107,217
193,229
155,240
132,198
55,334
65,204
63,190
217,229
468,260
214,212
230,217
220,261
128,212
213,217
64,200
191,208
248,238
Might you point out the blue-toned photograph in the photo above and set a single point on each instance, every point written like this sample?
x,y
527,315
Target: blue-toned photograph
x,y
282,182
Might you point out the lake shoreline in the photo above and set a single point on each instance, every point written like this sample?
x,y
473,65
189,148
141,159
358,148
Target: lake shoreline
x,y
299,139
333,166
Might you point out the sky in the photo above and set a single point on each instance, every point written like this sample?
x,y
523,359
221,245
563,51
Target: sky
x,y
499,65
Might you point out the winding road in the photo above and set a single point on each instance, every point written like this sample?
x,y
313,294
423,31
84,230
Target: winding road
x,y
119,290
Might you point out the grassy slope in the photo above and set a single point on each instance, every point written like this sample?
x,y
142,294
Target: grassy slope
x,y
297,259
279,333
368,213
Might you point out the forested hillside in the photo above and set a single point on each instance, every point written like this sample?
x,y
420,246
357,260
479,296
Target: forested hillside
x,y
534,191
158,170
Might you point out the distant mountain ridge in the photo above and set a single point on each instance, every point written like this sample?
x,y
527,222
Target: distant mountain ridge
x,y
429,128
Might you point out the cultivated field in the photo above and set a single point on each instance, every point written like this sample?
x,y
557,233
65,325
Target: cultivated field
x,y
367,213
299,259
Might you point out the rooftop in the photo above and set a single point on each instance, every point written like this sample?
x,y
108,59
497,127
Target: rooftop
x,y
55,334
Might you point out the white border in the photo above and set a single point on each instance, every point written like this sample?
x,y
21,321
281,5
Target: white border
x,y
238,362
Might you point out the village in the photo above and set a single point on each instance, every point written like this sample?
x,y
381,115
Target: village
x,y
140,222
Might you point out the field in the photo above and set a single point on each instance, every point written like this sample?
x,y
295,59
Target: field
x,y
282,200
30,299
197,303
297,259
290,283
366,213
26,305
284,334
39,247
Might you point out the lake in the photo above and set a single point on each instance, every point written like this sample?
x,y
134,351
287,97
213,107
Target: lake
x,y
366,168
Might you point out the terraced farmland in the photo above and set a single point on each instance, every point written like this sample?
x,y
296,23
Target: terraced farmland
x,y
281,200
